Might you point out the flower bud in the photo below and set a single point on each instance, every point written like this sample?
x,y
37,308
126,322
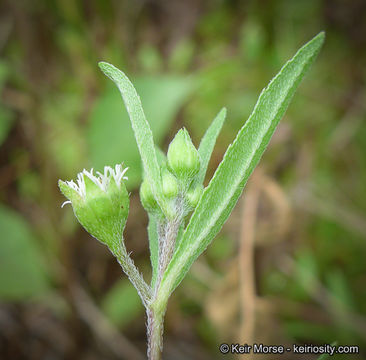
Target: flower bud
x,y
183,158
194,195
169,183
100,203
147,197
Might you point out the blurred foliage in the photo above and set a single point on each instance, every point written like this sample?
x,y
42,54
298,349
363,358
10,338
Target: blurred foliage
x,y
22,271
58,115
6,116
122,304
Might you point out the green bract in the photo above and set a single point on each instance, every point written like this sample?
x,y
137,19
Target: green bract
x,y
194,195
147,197
100,203
170,184
183,158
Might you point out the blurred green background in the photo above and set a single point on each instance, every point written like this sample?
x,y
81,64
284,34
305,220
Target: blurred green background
x,y
288,267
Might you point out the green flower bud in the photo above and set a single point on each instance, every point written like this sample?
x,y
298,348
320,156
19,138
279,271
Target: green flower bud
x,y
170,183
193,195
100,203
147,197
183,158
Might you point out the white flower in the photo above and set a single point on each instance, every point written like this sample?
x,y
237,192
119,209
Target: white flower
x,y
101,180
100,202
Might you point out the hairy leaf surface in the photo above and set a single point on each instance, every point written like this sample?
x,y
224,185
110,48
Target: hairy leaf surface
x,y
208,142
141,127
221,195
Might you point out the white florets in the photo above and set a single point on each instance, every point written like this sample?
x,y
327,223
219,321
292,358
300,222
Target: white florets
x,y
101,180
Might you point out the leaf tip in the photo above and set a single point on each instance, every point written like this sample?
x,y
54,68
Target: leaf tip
x,y
109,70
103,65
319,39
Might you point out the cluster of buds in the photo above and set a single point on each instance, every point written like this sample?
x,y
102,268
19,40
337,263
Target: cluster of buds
x,y
100,203
178,177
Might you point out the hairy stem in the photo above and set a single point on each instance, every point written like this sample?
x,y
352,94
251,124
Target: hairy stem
x,y
133,274
167,234
155,327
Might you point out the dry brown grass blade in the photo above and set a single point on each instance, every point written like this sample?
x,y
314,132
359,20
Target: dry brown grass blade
x,y
102,328
246,258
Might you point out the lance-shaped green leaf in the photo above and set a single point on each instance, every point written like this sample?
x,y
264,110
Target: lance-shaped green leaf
x,y
208,142
140,126
221,195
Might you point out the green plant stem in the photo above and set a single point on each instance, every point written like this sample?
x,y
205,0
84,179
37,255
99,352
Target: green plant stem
x,y
155,327
167,235
133,274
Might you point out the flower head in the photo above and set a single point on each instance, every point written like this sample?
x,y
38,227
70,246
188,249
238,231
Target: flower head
x,y
183,157
100,202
